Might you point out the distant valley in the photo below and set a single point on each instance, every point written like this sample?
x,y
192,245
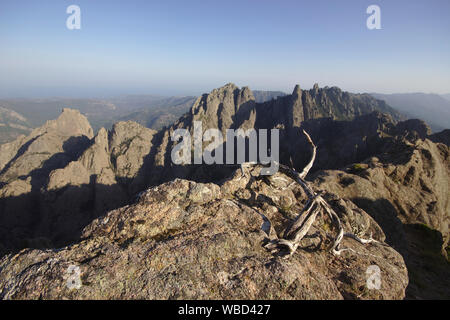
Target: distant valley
x,y
434,109
12,124
19,116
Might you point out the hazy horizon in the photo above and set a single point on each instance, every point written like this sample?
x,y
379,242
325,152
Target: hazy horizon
x,y
190,47
41,94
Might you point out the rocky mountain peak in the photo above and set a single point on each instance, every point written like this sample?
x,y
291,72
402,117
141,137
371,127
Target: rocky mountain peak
x,y
232,107
245,95
57,140
101,139
218,108
297,90
70,123
227,87
316,88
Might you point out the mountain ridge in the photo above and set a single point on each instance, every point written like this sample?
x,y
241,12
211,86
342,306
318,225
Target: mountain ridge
x,y
57,181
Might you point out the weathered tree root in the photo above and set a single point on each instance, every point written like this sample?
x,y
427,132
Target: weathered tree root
x,y
316,204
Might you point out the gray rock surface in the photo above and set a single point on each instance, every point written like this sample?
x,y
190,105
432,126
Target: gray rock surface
x,y
61,177
187,240
406,190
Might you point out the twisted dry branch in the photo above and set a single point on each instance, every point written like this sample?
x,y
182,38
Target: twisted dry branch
x,y
315,205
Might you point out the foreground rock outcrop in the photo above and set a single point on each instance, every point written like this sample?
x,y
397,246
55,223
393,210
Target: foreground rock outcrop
x,y
406,190
187,240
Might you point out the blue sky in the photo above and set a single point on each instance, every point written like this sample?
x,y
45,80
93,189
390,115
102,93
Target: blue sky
x,y
193,46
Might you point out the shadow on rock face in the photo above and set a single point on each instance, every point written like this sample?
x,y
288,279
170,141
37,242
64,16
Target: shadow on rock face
x,y
420,246
385,214
429,269
56,218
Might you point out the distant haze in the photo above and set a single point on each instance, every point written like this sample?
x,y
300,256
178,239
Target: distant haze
x,y
432,108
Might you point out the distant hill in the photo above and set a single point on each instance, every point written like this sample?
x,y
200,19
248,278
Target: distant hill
x,y
38,111
432,108
12,124
149,110
263,96
162,113
446,96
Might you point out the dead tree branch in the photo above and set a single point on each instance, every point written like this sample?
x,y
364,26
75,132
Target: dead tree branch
x,y
315,205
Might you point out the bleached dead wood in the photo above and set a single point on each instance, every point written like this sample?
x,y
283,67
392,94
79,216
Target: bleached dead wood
x,y
308,167
315,205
